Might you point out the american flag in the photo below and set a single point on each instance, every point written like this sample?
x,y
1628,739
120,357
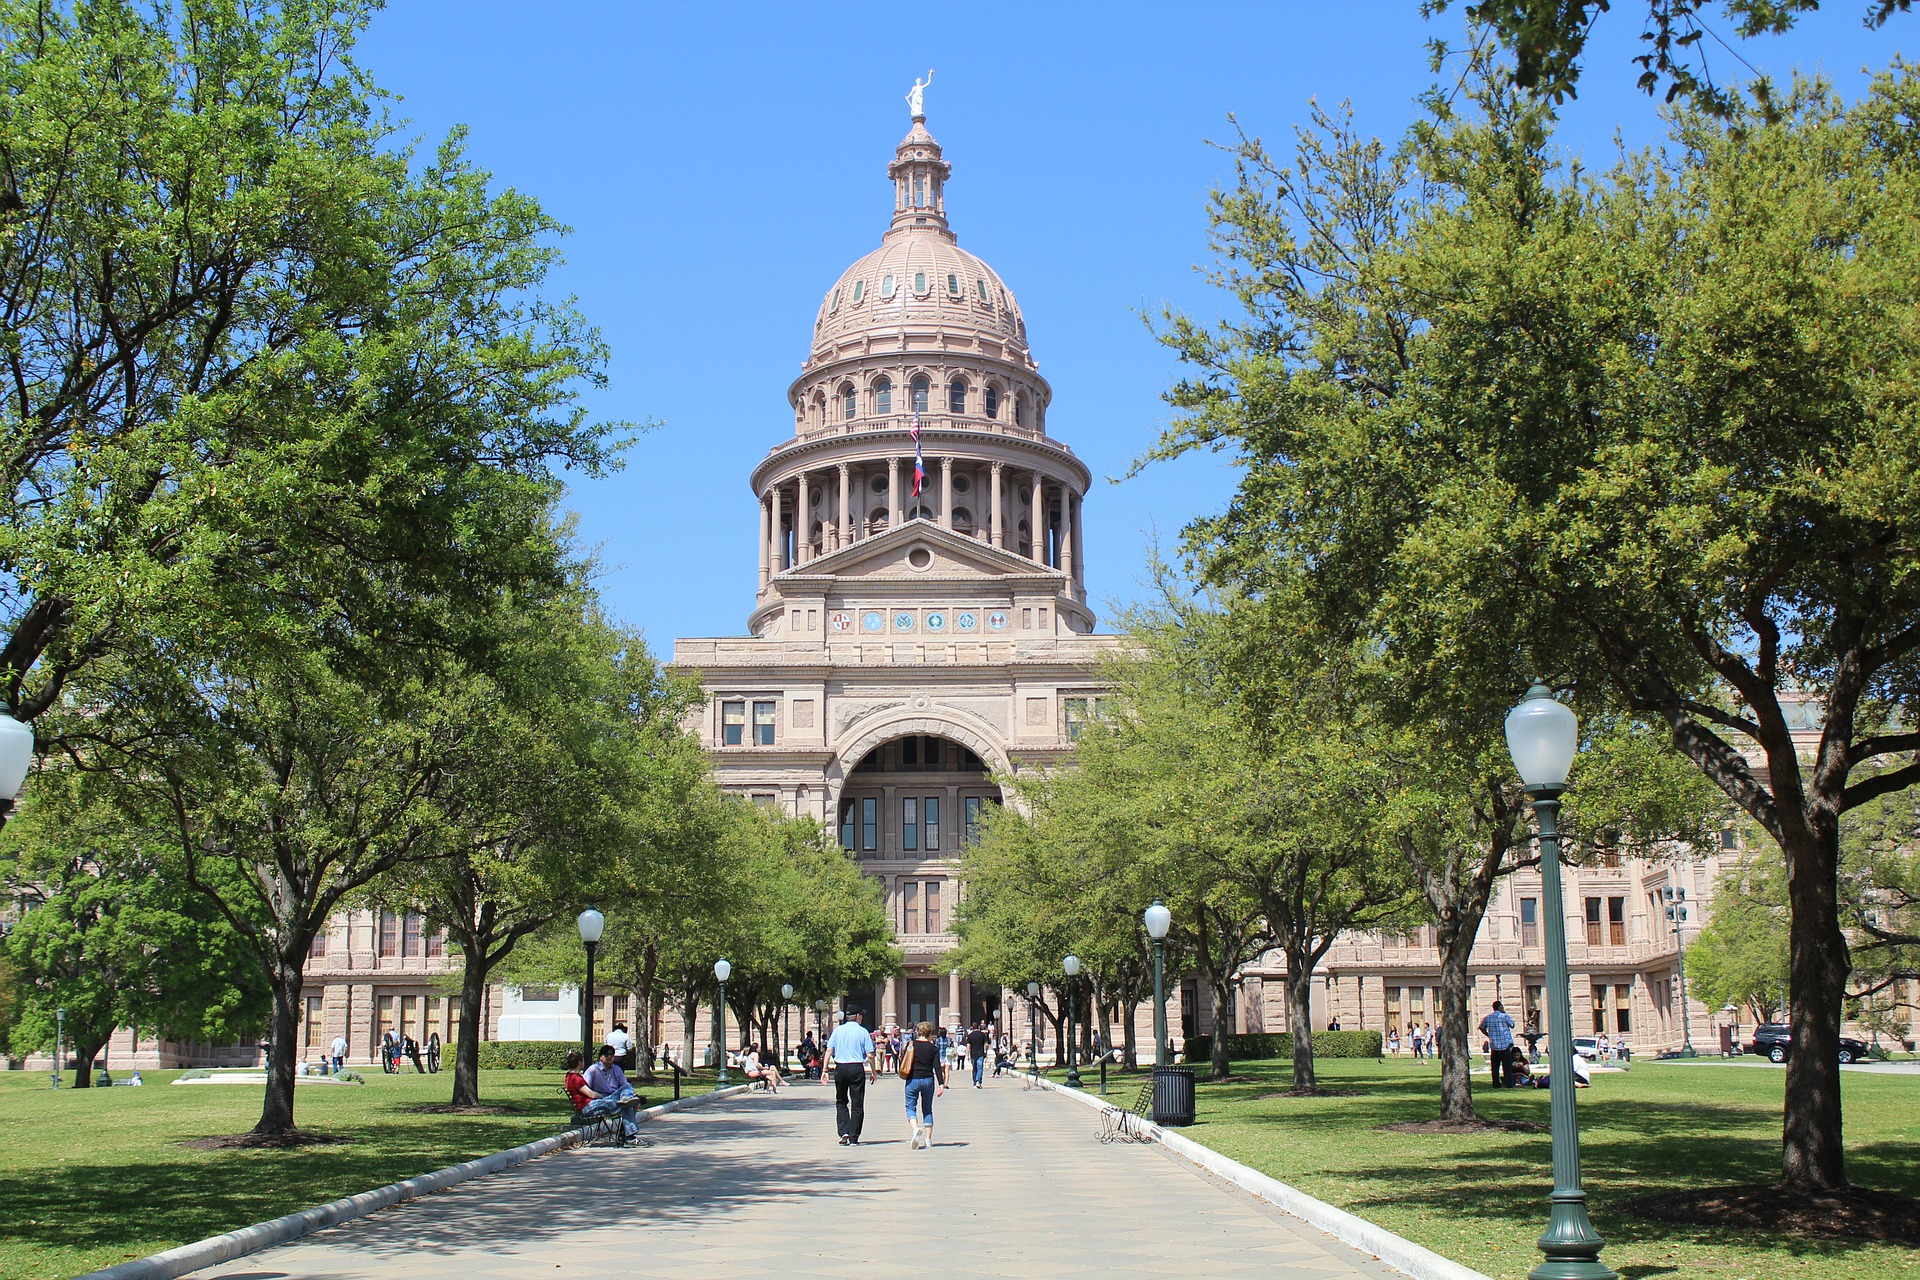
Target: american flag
x,y
919,463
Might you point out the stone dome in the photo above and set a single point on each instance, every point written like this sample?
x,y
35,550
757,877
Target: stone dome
x,y
920,279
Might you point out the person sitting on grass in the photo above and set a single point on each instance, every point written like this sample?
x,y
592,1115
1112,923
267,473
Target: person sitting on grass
x,y
589,1103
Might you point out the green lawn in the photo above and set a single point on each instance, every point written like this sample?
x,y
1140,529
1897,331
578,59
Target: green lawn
x,y
93,1177
1481,1200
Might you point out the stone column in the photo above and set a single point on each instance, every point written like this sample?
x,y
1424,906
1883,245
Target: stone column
x,y
779,534
766,546
953,997
946,493
803,525
893,493
1037,519
843,518
889,1002
993,500
1080,546
1066,535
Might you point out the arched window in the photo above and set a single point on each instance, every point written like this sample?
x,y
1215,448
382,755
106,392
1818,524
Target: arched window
x,y
836,301
1020,410
962,520
953,284
883,396
886,285
981,285
860,290
846,402
920,283
920,395
956,396
920,513
993,401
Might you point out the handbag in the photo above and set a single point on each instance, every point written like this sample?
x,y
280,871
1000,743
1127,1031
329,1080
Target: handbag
x,y
906,1061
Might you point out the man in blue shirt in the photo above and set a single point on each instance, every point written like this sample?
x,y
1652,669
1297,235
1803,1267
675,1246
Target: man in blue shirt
x,y
851,1049
1498,1029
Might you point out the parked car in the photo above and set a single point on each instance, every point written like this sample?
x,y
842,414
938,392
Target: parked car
x,y
1774,1041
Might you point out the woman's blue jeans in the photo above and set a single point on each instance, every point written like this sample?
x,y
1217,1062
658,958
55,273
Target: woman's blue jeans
x,y
920,1099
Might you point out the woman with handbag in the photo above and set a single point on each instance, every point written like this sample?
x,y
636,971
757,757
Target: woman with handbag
x,y
926,1075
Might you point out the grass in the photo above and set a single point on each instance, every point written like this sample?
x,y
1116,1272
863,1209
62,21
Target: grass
x,y
94,1177
1481,1199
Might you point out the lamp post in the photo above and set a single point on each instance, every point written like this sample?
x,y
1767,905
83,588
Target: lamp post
x,y
16,757
786,999
1159,920
721,972
59,1041
1072,965
1033,1025
1677,917
591,924
1543,736
820,1021
1733,1032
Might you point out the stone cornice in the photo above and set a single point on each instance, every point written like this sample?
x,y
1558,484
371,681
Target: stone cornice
x,y
820,451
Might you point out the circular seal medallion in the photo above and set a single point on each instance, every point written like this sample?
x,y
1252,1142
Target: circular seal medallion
x,y
936,622
842,620
872,620
966,621
903,621
996,621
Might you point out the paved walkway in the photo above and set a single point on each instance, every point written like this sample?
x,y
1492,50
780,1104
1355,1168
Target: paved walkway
x,y
757,1186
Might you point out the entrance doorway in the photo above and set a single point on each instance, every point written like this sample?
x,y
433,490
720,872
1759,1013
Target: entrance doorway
x,y
984,1007
923,1001
861,1002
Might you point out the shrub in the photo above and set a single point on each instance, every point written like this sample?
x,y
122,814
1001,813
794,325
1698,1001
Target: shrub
x,y
349,1075
526,1055
1326,1044
197,1073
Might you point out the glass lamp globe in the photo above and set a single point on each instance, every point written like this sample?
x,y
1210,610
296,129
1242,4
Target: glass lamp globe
x,y
1033,991
591,924
1159,920
1072,965
1543,736
722,970
16,754
786,991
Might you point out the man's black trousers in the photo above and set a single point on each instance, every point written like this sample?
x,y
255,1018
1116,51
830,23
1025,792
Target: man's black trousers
x,y
850,1098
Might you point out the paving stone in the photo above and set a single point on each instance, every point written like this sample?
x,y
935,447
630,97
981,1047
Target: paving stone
x,y
1017,1185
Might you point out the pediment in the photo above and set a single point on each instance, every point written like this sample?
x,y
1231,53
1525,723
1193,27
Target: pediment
x,y
918,551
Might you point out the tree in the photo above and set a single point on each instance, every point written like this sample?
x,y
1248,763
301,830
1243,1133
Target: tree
x,y
1652,426
109,936
1741,956
1548,37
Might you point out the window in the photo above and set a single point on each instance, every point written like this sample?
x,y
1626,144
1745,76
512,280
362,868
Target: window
x,y
1020,410
933,906
437,943
910,824
919,190
1599,1008
835,304
910,906
1617,921
310,1023
389,934
982,286
1536,1001
869,823
846,402
1529,922
953,285
1416,1003
956,396
1593,922
883,396
993,402
733,723
765,799
1393,1006
1078,712
859,289
846,824
973,812
930,814
920,283
763,724
318,947
1623,1008
410,935
886,285
920,395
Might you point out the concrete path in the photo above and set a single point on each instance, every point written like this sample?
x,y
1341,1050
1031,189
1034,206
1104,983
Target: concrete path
x,y
1018,1185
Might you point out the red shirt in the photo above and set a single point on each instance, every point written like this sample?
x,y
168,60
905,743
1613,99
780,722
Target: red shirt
x,y
577,1090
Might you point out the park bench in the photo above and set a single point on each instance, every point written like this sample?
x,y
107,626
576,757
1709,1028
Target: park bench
x,y
598,1128
1128,1124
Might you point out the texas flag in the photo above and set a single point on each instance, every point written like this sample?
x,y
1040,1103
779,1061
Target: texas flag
x,y
919,463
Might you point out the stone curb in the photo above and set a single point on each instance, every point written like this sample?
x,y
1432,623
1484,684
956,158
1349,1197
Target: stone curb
x,y
1396,1251
264,1235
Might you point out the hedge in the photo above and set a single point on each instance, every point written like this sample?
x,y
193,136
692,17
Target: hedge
x,y
529,1055
1326,1044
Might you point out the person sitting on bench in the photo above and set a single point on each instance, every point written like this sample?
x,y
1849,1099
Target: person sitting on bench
x,y
594,1102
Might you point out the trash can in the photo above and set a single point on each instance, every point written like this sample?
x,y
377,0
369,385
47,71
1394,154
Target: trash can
x,y
1173,1095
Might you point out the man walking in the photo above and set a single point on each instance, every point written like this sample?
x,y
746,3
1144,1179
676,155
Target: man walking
x,y
339,1055
1497,1027
977,1040
851,1049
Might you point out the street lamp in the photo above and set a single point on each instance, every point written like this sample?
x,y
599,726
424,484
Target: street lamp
x,y
1159,921
591,924
721,972
1072,965
16,756
1543,736
1033,1025
59,1041
786,1000
1677,917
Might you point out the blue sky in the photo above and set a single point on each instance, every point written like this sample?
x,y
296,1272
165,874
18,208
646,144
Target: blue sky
x,y
721,164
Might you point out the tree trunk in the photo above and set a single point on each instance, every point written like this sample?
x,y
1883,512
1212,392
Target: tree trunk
x,y
1811,1156
689,1012
1220,1065
1456,1013
283,1042
1106,1026
1300,1021
466,1053
84,1052
1130,1051
645,1004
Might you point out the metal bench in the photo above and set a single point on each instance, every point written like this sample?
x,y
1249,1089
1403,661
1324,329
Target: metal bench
x,y
1128,1124
599,1128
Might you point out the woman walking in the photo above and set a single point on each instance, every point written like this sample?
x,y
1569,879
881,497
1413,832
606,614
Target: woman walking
x,y
925,1072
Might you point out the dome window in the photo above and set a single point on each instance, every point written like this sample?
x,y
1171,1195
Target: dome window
x,y
883,393
919,395
859,289
962,482
993,402
953,284
835,304
956,396
920,283
846,402
1020,410
886,285
982,286
879,484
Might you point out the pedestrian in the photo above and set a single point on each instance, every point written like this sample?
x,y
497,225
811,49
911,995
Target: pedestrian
x,y
852,1052
1393,1040
1333,1025
622,1043
339,1052
926,1076
1498,1029
807,1052
977,1053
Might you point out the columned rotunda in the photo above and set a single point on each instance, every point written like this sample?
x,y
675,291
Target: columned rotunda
x,y
916,629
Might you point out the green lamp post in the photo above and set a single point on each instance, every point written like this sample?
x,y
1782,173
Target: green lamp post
x,y
722,970
1543,736
1159,920
1072,965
